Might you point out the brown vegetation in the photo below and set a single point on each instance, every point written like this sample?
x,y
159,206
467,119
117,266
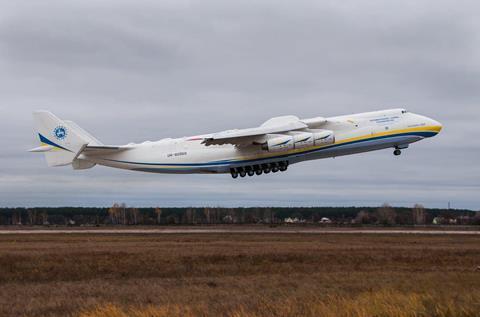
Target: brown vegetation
x,y
239,275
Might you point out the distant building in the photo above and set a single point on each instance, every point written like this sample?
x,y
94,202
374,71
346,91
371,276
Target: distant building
x,y
228,219
325,220
293,220
444,221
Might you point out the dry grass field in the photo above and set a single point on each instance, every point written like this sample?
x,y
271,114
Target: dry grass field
x,y
239,275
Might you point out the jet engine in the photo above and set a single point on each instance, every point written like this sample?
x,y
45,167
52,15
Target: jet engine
x,y
302,139
323,137
279,143
298,140
311,138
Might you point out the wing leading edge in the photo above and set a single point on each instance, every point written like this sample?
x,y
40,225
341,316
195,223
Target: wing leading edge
x,y
277,125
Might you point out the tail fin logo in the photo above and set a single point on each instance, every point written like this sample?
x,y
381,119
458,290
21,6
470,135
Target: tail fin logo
x,y
60,132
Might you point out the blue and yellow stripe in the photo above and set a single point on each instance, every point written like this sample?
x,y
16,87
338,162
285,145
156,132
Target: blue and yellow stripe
x,y
46,141
423,132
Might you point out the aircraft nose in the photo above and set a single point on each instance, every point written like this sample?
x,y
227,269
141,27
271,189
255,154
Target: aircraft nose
x,y
434,126
437,125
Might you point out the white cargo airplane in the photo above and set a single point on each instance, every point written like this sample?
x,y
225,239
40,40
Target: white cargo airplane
x,y
271,147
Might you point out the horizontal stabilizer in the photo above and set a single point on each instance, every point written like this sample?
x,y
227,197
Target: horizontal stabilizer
x,y
42,148
105,149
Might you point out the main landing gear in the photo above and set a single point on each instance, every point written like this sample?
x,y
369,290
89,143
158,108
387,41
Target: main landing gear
x,y
397,152
259,169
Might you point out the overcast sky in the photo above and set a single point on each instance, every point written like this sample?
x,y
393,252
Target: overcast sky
x,y
145,70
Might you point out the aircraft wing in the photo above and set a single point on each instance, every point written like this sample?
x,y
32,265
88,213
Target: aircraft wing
x,y
258,135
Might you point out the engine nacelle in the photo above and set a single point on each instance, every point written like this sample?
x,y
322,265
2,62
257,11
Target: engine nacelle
x,y
298,140
323,137
302,139
279,143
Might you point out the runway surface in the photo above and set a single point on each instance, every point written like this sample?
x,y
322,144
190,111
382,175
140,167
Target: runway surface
x,y
237,230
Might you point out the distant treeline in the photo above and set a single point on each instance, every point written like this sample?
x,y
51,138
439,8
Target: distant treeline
x,y
120,214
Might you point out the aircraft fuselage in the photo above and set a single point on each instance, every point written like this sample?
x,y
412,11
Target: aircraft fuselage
x,y
355,133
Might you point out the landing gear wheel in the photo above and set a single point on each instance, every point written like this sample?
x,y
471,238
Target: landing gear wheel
x,y
283,168
266,170
274,169
258,172
243,173
234,173
397,152
251,173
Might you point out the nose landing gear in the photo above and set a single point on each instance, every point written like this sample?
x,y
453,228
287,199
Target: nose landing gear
x,y
399,148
